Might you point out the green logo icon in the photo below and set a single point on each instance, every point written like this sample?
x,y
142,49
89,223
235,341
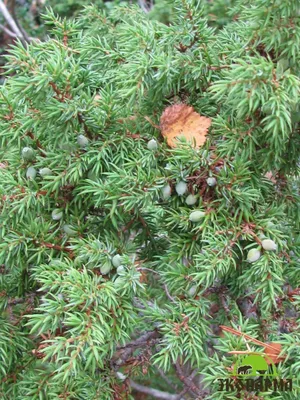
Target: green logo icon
x,y
254,365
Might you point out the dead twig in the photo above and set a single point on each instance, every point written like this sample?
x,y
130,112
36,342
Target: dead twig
x,y
188,381
7,31
11,6
168,294
12,23
145,6
153,392
165,378
144,338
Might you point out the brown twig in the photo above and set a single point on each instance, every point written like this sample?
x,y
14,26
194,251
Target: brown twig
x,y
187,380
216,68
223,301
165,378
145,337
19,300
253,340
61,97
168,294
148,342
37,142
82,122
143,222
185,390
53,246
183,48
148,269
152,123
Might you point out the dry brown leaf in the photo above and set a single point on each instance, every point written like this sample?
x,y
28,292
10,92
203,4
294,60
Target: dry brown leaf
x,y
269,175
97,98
181,120
273,353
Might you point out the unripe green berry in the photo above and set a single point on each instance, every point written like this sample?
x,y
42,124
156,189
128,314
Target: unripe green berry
x,y
181,188
57,214
295,117
211,181
69,230
255,25
192,291
261,236
116,260
270,224
105,268
253,255
28,153
196,216
269,245
45,172
98,243
282,65
152,144
92,175
78,261
119,281
191,200
31,173
120,270
68,147
82,141
166,192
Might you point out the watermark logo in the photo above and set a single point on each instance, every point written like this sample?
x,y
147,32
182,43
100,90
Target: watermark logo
x,y
254,365
254,372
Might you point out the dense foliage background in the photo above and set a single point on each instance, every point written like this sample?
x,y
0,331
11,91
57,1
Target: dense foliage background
x,y
111,287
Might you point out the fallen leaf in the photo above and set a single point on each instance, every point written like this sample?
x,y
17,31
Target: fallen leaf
x,y
269,175
181,120
143,277
273,353
97,99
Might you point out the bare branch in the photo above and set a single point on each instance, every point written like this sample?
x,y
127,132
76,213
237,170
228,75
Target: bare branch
x,y
188,381
144,338
14,35
168,294
144,6
153,392
7,31
149,342
164,376
186,389
9,19
11,6
148,269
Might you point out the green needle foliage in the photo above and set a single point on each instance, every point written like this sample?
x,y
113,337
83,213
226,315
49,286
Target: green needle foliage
x,y
81,184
